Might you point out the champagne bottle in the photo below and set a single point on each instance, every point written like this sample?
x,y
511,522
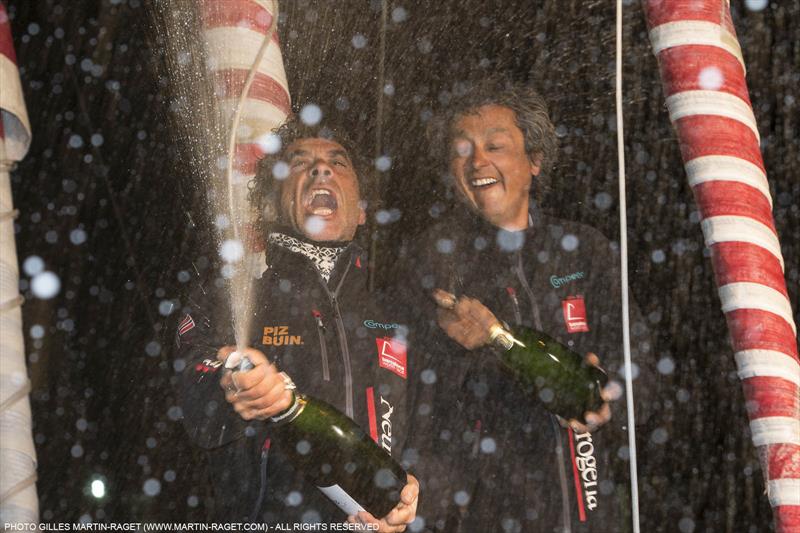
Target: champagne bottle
x,y
567,385
337,456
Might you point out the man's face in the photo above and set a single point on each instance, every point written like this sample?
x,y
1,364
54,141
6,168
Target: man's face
x,y
492,171
320,197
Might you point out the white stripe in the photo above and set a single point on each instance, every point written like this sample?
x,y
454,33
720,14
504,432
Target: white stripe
x,y
13,112
747,295
258,118
783,491
768,363
697,32
728,228
727,168
718,103
224,56
775,430
269,5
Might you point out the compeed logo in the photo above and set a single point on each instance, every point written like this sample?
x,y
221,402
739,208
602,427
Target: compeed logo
x,y
575,314
379,325
557,282
279,336
392,355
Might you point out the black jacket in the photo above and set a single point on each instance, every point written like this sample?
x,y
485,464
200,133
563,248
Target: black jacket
x,y
490,456
336,342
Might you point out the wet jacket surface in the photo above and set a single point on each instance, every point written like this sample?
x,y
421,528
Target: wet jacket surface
x,y
336,342
490,457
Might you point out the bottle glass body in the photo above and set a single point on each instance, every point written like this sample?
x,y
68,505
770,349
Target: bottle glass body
x,y
566,384
337,456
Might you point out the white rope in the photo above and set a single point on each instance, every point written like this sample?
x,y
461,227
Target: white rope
x,y
623,237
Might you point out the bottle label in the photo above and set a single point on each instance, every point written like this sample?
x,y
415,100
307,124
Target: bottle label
x,y
343,501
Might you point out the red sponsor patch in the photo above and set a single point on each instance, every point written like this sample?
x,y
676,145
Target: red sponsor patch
x,y
186,324
392,355
575,314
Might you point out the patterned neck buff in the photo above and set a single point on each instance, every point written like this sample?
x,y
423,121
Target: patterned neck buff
x,y
322,257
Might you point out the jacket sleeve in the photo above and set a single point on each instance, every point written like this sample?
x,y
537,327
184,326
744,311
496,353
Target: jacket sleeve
x,y
201,330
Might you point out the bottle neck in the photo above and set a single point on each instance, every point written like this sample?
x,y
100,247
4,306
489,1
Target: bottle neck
x,y
501,338
295,408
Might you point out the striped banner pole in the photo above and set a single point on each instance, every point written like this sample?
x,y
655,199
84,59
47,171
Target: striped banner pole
x,y
703,73
18,499
234,31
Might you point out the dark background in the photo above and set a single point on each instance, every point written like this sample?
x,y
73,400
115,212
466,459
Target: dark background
x,y
103,159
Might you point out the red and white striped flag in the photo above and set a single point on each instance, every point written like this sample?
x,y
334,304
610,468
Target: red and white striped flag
x,y
703,73
234,31
18,500
15,130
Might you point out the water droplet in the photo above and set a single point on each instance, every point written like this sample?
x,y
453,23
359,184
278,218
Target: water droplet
x,y
152,487
45,285
311,114
710,78
269,143
33,265
77,236
359,41
231,250
280,170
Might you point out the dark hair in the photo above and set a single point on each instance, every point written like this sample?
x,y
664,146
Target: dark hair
x,y
265,189
529,108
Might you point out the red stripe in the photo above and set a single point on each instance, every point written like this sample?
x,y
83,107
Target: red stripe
x,y
783,460
229,84
661,11
771,396
754,329
235,13
247,158
576,477
6,43
702,135
787,518
683,68
744,262
718,198
373,423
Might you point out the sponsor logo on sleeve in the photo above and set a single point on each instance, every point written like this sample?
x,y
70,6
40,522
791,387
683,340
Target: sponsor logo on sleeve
x,y
186,325
574,309
279,336
208,365
392,355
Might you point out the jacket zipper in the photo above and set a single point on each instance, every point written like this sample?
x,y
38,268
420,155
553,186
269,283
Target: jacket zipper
x,y
562,472
348,371
515,304
323,347
537,319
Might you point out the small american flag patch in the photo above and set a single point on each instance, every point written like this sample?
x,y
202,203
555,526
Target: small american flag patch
x,y
186,324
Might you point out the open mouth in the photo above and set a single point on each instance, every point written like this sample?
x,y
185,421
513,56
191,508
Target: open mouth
x,y
321,202
480,183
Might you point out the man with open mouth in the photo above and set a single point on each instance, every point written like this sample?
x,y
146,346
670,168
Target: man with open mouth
x,y
311,321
